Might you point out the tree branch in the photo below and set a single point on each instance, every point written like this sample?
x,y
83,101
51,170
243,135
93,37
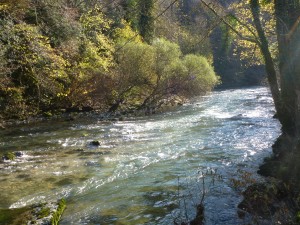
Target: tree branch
x,y
253,40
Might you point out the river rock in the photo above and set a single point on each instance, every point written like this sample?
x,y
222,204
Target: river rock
x,y
95,143
264,200
47,213
19,154
12,155
9,156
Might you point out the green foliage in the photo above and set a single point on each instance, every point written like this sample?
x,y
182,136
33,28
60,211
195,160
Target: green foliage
x,y
166,53
193,42
136,63
242,21
131,8
186,76
149,73
59,54
56,20
98,46
135,70
298,217
125,33
265,2
35,64
146,20
190,75
16,9
12,102
44,212
200,75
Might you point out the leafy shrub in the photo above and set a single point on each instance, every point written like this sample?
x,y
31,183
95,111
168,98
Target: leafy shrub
x,y
200,75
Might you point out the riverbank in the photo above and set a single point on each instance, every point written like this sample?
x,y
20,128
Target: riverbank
x,y
71,114
277,199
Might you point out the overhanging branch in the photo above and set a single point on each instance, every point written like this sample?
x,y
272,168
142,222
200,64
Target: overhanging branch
x,y
250,39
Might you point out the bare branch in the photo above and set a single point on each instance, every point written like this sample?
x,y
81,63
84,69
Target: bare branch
x,y
159,15
250,39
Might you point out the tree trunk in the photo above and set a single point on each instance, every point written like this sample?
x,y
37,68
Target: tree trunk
x,y
288,35
264,47
146,21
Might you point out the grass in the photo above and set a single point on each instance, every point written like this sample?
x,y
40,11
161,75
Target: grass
x,y
60,209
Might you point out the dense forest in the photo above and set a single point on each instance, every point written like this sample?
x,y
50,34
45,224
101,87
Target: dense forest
x,y
122,55
111,56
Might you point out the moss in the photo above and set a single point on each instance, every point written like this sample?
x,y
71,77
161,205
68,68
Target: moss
x,y
15,216
47,114
298,217
44,212
9,156
58,213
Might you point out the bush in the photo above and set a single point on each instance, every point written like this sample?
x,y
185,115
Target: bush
x,y
200,75
135,75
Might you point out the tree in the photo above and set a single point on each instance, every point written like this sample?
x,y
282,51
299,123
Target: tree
x,y
146,20
287,98
135,74
288,35
269,63
176,75
286,94
35,66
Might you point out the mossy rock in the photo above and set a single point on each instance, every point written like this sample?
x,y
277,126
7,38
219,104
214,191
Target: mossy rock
x,y
15,216
269,168
44,212
9,156
47,114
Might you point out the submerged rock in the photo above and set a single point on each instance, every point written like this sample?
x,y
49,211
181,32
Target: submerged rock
x,y
268,201
9,156
12,155
95,143
47,213
39,214
19,154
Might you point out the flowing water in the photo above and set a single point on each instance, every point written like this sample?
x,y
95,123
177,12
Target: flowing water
x,y
147,170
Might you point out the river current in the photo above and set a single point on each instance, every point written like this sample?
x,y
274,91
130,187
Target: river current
x,y
147,170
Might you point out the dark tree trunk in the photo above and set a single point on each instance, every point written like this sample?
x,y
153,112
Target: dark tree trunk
x,y
288,35
146,21
264,47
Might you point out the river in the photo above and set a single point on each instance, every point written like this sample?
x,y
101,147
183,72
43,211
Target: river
x,y
147,170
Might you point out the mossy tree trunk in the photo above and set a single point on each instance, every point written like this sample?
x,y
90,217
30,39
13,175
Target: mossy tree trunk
x,y
146,21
